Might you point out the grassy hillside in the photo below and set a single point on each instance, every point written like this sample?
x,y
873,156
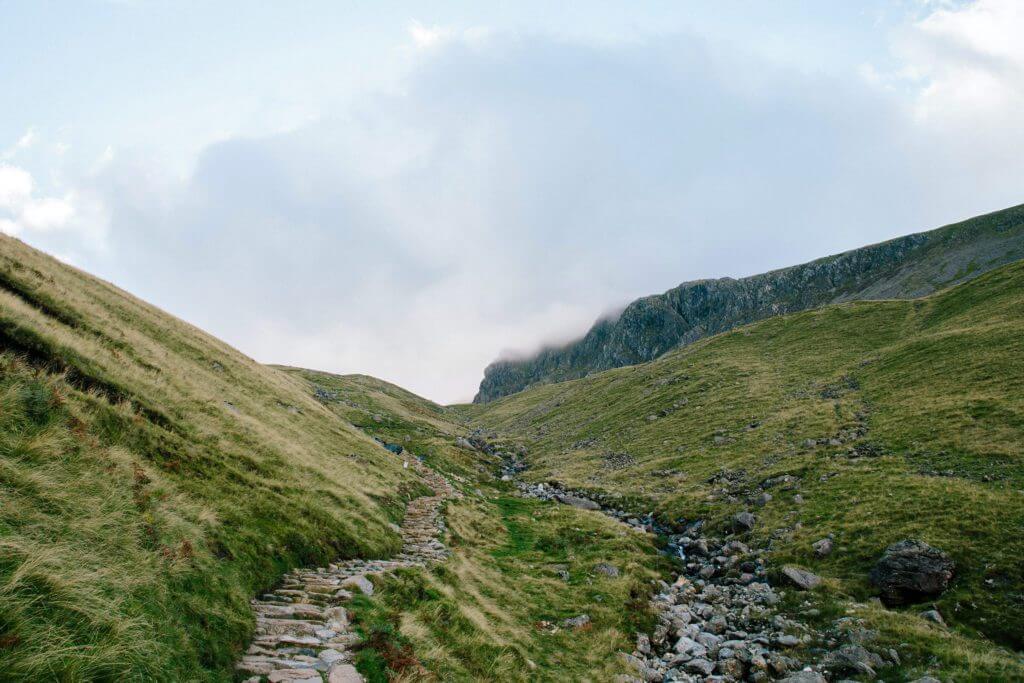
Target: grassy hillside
x,y
892,419
519,567
152,480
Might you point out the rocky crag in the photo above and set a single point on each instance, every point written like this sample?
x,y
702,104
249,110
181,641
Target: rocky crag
x,y
302,628
906,267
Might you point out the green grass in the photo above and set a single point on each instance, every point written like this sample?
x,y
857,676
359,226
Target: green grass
x,y
936,385
152,480
494,611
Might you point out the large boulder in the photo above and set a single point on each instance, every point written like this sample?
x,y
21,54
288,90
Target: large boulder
x,y
743,522
577,501
801,578
911,571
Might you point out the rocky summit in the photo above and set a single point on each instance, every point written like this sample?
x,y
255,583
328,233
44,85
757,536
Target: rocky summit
x,y
906,267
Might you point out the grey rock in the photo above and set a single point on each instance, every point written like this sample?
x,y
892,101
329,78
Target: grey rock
x,y
855,659
910,571
576,622
577,502
743,521
933,616
643,644
822,548
607,569
360,582
699,666
905,267
801,578
804,677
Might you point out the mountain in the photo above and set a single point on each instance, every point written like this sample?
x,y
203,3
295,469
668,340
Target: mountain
x,y
863,423
153,480
902,268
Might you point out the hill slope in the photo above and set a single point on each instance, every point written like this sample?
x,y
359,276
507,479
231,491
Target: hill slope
x,y
152,480
519,567
906,267
871,421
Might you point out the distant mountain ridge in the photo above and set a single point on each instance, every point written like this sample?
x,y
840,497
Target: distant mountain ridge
x,y
902,268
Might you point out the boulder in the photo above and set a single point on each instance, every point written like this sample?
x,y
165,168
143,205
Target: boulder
x,y
743,522
804,677
823,547
933,616
853,659
911,571
801,578
607,569
577,502
576,622
360,582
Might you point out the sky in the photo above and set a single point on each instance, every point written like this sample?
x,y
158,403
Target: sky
x,y
411,190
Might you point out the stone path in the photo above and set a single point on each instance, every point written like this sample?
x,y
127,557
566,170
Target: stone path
x,y
302,628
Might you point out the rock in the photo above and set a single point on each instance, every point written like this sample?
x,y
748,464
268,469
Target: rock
x,y
607,569
926,679
576,622
801,578
853,658
933,616
763,499
733,668
288,675
699,666
689,646
804,677
344,673
822,548
787,640
360,582
743,522
911,571
643,644
577,502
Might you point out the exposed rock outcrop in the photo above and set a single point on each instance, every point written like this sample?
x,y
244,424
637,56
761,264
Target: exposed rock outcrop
x,y
906,267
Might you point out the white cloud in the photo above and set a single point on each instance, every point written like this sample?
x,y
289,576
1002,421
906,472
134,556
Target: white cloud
x,y
15,186
428,36
514,187
47,213
967,61
24,142
25,211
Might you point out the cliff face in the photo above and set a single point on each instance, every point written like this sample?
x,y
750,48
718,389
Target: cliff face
x,y
902,268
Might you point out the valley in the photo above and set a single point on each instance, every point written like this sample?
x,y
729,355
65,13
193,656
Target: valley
x,y
830,494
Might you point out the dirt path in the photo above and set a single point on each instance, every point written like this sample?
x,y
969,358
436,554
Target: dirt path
x,y
302,628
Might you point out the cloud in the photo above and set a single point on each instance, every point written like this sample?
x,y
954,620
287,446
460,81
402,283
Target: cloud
x,y
24,142
15,186
969,61
22,210
515,186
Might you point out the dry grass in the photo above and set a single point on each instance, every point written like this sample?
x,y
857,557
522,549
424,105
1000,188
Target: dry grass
x,y
938,385
152,479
